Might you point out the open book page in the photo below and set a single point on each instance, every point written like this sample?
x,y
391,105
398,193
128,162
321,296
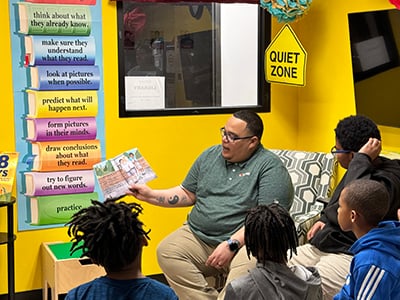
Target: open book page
x,y
116,174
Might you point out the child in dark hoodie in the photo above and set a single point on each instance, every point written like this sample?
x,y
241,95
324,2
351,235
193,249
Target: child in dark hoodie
x,y
375,268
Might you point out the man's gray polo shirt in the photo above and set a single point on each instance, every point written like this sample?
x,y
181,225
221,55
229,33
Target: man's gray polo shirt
x,y
226,191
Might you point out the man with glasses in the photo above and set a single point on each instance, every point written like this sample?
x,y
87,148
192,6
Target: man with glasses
x,y
357,149
224,182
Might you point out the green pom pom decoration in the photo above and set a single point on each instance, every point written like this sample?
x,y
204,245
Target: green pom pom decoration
x,y
286,11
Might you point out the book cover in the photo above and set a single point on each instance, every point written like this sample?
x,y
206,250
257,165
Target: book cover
x,y
8,167
61,129
65,155
59,50
62,104
58,209
56,183
116,174
71,77
53,19
82,2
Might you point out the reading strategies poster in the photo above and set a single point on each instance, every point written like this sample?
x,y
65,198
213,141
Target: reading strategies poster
x,y
59,107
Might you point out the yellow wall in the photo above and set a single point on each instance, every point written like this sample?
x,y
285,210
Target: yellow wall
x,y
301,118
381,88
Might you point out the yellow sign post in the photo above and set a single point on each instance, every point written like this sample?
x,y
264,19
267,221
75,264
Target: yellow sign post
x,y
285,59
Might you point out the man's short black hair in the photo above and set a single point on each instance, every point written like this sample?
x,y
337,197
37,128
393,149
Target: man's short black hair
x,y
253,120
353,132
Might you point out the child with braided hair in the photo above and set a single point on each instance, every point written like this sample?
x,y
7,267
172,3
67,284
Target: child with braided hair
x,y
112,236
270,234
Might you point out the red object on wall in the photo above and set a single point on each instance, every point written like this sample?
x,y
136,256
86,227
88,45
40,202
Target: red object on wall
x,y
395,3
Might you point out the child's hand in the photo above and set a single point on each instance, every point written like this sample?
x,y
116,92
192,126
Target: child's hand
x,y
314,229
372,148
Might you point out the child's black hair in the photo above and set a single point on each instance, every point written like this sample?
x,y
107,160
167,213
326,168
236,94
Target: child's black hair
x,y
109,233
269,233
354,131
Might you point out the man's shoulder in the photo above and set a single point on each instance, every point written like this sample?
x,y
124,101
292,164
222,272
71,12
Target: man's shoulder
x,y
210,152
266,155
213,148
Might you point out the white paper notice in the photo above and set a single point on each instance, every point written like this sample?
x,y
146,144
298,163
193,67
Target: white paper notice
x,y
144,92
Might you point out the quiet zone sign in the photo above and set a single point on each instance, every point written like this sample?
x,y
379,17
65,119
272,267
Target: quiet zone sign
x,y
285,59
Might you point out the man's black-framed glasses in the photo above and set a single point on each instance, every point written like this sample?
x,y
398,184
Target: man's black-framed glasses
x,y
231,137
338,151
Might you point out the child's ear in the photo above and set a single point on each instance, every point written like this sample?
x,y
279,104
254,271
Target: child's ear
x,y
353,216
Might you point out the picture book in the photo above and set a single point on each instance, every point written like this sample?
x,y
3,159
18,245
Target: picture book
x,y
116,174
56,183
62,104
8,167
59,50
53,19
65,155
61,129
71,77
58,209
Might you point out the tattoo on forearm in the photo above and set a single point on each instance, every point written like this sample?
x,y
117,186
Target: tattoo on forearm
x,y
173,200
161,199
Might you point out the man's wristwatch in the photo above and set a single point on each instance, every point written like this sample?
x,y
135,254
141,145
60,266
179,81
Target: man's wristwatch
x,y
234,245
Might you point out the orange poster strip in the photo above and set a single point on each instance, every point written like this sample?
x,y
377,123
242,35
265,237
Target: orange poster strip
x,y
65,155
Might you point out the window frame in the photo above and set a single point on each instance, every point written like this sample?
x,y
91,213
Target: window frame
x,y
263,87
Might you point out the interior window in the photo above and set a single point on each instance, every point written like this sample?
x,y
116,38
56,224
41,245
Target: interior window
x,y
191,58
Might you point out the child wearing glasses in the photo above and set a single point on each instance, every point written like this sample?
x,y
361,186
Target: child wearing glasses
x,y
357,149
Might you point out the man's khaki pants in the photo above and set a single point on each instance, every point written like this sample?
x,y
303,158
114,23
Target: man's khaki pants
x,y
182,256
